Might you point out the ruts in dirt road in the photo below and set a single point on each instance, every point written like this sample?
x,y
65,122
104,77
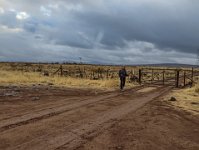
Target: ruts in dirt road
x,y
64,118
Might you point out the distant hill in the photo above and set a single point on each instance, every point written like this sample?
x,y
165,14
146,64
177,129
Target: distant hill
x,y
170,65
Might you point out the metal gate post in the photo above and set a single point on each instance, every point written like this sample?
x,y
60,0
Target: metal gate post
x,y
61,70
140,76
192,75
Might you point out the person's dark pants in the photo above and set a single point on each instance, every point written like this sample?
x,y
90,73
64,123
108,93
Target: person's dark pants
x,y
122,82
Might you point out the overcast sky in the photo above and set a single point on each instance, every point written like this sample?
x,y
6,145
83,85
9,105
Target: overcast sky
x,y
100,31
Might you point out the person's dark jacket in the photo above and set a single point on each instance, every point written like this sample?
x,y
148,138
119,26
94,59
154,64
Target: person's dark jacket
x,y
122,73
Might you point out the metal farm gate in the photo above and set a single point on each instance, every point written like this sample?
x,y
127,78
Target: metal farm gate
x,y
172,77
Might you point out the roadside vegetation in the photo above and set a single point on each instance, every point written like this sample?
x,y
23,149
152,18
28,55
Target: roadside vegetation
x,y
187,99
30,78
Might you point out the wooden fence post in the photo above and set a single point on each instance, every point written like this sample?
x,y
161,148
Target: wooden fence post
x,y
61,70
140,76
93,74
177,78
192,75
101,74
152,78
107,73
85,73
98,73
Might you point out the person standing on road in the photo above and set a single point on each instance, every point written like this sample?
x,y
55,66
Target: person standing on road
x,y
122,76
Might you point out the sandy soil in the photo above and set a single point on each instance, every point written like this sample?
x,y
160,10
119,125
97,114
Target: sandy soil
x,y
41,117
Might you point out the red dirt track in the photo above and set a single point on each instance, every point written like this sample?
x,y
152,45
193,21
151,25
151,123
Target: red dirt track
x,y
41,117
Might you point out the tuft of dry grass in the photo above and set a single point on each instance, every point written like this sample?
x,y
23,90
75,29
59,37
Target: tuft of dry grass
x,y
29,78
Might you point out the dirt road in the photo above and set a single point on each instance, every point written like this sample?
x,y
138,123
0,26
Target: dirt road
x,y
42,117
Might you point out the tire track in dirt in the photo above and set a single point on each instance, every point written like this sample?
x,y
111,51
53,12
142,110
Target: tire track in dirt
x,y
55,98
54,111
43,107
64,139
53,104
49,112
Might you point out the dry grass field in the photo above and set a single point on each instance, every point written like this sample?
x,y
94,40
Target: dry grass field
x,y
30,78
73,75
10,76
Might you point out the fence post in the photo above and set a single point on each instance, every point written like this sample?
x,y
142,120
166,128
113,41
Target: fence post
x,y
152,78
140,76
177,78
85,73
192,75
101,74
98,73
163,76
107,73
93,74
184,78
61,69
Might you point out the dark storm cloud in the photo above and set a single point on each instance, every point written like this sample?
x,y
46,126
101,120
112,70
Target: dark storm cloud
x,y
115,31
174,27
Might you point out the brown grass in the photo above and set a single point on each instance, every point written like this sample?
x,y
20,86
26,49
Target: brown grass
x,y
187,99
196,88
29,78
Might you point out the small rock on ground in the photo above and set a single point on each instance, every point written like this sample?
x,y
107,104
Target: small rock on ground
x,y
172,99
